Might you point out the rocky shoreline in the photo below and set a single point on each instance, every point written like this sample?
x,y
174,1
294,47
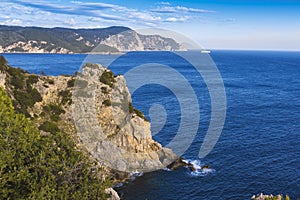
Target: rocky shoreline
x,y
262,196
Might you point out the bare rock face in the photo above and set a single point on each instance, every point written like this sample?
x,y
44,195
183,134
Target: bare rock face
x,y
109,127
114,195
133,41
2,79
33,46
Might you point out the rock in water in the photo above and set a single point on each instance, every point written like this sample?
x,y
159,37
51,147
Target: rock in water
x,y
180,163
205,167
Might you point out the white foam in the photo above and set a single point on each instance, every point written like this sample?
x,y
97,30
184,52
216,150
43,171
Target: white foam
x,y
198,168
167,169
185,161
118,185
135,174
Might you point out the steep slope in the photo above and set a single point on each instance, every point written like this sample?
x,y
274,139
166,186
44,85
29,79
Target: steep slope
x,y
133,41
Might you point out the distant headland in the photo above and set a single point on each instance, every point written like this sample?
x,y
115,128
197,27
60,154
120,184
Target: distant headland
x,y
110,40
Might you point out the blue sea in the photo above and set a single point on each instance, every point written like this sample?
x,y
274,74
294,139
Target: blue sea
x,y
259,148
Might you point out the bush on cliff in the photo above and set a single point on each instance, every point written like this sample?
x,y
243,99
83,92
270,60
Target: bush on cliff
x,y
21,81
107,78
3,63
42,167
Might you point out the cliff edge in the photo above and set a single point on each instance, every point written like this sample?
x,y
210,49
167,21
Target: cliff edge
x,y
95,108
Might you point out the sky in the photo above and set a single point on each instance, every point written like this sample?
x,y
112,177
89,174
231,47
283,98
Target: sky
x,y
212,24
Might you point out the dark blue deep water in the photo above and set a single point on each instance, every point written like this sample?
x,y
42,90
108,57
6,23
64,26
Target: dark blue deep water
x,y
259,148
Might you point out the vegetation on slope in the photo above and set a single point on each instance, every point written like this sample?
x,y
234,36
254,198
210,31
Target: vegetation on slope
x,y
57,37
42,167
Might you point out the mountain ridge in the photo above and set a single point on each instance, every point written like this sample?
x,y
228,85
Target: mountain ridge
x,y
18,39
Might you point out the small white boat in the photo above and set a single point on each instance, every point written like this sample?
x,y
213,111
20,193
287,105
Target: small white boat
x,y
205,51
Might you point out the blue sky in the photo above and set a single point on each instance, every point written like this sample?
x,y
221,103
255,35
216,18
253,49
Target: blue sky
x,y
214,24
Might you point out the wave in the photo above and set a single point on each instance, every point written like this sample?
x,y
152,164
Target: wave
x,y
199,169
135,174
167,169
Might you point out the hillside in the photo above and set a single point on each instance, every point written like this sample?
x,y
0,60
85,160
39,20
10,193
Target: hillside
x,y
37,166
89,115
66,40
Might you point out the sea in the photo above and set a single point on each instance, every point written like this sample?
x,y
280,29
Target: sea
x,y
258,149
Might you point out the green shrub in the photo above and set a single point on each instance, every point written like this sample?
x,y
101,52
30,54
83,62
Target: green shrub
x,y
71,83
107,78
66,97
140,114
104,90
3,63
34,95
27,98
46,167
55,118
17,77
130,107
43,114
49,127
91,65
32,79
54,109
25,95
133,110
50,81
106,102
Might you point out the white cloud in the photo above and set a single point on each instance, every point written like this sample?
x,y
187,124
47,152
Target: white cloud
x,y
71,22
174,19
92,14
144,16
164,3
179,9
14,22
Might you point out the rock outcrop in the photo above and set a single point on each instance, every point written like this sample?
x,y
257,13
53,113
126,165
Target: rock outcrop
x,y
95,107
114,195
262,196
110,128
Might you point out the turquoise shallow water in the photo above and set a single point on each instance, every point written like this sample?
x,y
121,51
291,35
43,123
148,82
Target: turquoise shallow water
x,y
259,147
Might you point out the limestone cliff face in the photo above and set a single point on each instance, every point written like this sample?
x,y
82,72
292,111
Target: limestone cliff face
x,y
133,41
33,46
110,128
96,108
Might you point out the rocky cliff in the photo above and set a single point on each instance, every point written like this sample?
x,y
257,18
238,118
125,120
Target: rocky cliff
x,y
133,41
65,40
95,108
